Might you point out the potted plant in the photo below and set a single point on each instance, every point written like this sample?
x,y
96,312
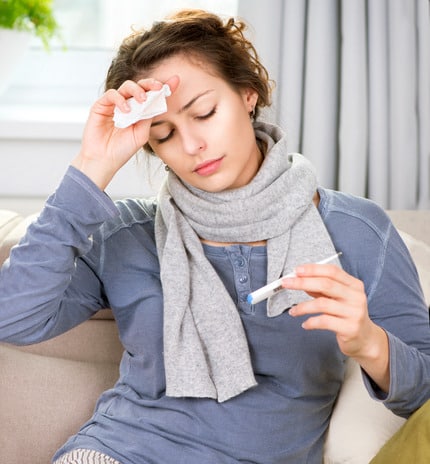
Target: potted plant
x,y
19,20
34,16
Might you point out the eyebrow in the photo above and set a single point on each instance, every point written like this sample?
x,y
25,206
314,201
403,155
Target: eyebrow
x,y
185,107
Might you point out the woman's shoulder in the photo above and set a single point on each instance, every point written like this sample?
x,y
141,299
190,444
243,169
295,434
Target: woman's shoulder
x,y
361,230
132,212
345,211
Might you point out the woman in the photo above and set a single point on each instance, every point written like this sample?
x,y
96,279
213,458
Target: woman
x,y
207,376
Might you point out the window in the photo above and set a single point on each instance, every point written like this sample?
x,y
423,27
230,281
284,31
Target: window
x,y
90,24
73,71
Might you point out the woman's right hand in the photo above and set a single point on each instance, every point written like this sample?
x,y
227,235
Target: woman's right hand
x,y
106,148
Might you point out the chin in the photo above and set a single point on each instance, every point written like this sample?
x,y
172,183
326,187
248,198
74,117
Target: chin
x,y
213,189
212,184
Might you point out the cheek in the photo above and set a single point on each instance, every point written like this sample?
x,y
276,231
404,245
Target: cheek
x,y
169,160
233,126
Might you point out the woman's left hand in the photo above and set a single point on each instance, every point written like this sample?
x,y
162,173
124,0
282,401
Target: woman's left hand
x,y
339,304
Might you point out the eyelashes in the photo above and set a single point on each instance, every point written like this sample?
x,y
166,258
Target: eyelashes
x,y
204,117
208,115
165,139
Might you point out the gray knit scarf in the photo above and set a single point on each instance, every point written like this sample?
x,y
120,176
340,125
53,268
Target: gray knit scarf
x,y
206,352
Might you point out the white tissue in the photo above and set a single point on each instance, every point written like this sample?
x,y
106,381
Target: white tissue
x,y
154,105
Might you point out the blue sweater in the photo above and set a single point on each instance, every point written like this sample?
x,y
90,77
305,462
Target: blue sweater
x,y
85,253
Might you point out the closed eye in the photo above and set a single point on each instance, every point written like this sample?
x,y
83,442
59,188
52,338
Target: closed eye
x,y
201,118
207,115
165,139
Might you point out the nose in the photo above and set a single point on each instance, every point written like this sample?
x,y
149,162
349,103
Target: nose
x,y
192,142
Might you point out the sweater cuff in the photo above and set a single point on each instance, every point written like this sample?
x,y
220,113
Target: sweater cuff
x,y
408,375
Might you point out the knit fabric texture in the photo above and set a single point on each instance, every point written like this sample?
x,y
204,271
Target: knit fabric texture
x,y
205,348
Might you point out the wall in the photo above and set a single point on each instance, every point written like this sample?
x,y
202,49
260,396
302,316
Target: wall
x,y
36,147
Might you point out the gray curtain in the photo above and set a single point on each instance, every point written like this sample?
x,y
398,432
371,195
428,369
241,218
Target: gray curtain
x,y
352,90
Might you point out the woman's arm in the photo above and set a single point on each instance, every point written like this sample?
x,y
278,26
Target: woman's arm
x,y
45,288
105,148
383,323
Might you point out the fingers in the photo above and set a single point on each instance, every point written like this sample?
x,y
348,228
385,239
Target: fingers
x,y
128,89
173,83
107,102
323,279
337,298
139,89
326,270
339,305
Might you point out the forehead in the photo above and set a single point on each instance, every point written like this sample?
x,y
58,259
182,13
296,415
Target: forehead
x,y
182,65
196,77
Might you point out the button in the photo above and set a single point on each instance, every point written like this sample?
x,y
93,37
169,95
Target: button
x,y
240,262
243,279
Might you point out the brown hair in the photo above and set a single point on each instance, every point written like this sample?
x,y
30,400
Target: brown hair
x,y
194,33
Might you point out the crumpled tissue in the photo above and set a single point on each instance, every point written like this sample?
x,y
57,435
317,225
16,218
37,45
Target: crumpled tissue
x,y
154,105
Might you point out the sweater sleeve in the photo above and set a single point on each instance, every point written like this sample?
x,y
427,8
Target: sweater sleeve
x,y
398,306
45,286
409,379
374,252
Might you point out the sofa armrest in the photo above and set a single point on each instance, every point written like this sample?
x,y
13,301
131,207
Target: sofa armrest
x,y
12,228
9,220
416,223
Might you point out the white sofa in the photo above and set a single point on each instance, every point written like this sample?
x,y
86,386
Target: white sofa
x,y
48,390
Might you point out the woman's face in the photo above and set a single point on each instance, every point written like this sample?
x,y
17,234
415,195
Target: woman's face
x,y
206,137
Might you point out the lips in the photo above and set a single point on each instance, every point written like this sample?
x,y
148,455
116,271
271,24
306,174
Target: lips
x,y
208,167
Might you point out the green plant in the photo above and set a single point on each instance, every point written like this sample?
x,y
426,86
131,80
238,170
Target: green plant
x,y
35,16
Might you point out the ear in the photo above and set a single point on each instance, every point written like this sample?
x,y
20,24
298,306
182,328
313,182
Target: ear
x,y
250,98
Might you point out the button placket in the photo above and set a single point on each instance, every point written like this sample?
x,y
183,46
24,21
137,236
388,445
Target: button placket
x,y
239,257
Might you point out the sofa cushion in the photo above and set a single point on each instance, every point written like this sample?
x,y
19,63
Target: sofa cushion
x,y
9,220
359,425
93,341
413,222
420,252
44,400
